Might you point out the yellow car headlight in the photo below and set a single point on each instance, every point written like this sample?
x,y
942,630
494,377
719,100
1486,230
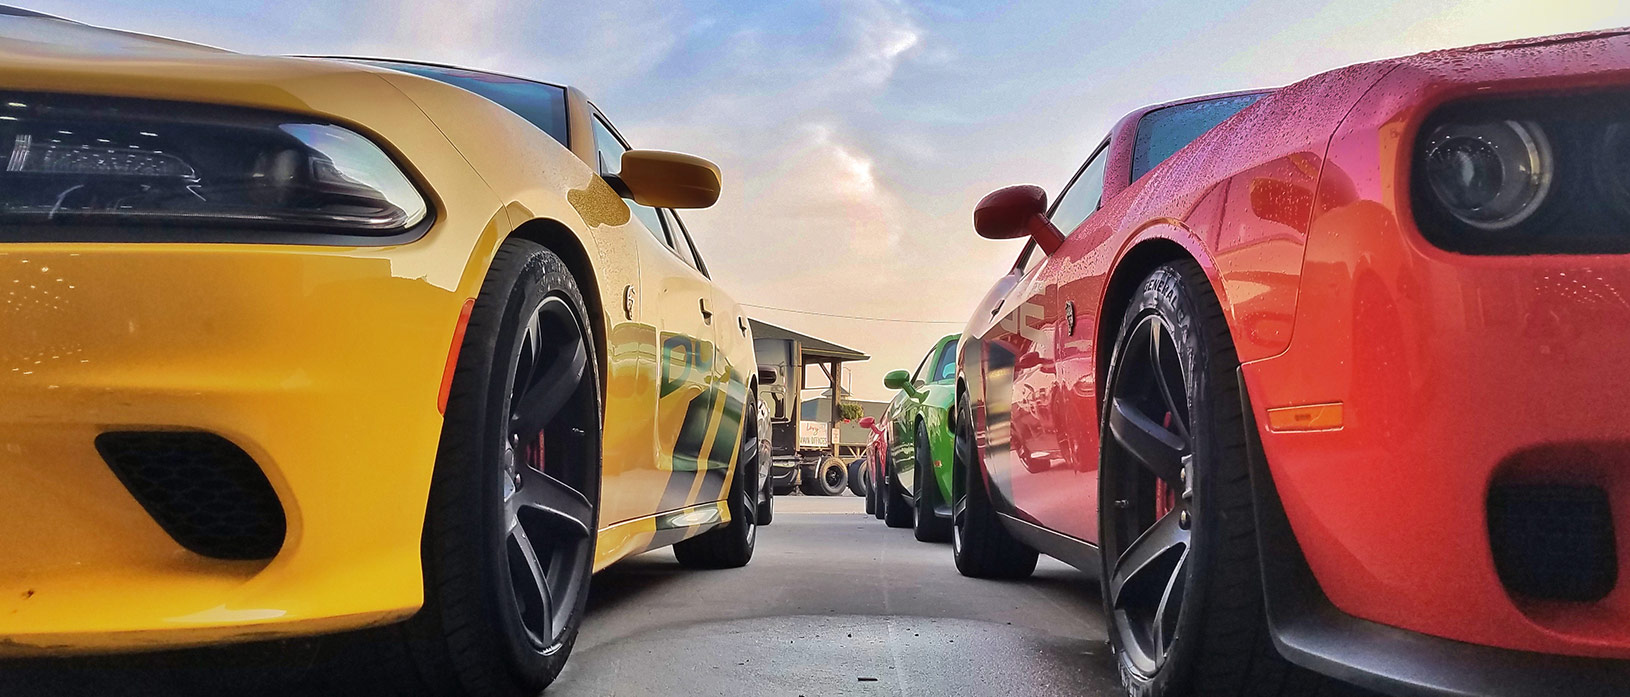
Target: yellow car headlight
x,y
133,169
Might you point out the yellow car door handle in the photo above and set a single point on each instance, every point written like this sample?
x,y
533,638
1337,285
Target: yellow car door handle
x,y
707,314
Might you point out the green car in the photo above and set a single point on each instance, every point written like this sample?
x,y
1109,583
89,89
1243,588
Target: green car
x,y
919,445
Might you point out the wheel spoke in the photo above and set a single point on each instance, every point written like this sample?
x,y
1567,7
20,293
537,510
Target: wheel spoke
x,y
1160,450
530,583
1171,603
1176,403
531,352
749,507
1142,556
748,471
548,390
555,499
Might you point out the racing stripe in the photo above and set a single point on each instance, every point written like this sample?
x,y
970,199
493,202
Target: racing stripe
x,y
721,457
687,450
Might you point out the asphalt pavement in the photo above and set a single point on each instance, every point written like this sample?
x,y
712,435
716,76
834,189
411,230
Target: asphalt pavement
x,y
836,604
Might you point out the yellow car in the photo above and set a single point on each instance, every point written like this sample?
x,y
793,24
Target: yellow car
x,y
296,346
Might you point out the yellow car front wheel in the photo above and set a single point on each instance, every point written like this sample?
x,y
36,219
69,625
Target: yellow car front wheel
x,y
509,535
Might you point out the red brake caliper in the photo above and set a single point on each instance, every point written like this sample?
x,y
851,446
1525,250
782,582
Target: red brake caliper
x,y
535,458
1165,497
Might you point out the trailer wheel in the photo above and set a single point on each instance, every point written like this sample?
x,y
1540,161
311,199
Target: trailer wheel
x,y
856,486
826,479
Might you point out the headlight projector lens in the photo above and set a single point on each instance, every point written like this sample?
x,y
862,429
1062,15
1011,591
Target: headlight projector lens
x,y
1490,175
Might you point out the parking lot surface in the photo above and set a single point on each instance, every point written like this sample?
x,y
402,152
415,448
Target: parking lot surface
x,y
835,603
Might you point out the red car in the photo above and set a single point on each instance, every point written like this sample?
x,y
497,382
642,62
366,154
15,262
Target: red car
x,y
1326,381
873,467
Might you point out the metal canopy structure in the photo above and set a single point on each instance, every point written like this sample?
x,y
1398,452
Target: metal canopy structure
x,y
814,350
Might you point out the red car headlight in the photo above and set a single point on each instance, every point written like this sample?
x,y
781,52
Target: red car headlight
x,y
1539,175
1490,175
137,167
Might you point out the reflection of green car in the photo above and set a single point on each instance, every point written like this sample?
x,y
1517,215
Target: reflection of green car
x,y
919,441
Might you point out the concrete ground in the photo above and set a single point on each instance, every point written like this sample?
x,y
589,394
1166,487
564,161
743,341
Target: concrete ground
x,y
835,603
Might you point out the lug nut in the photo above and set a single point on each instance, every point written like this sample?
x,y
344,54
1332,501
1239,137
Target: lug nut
x,y
1183,519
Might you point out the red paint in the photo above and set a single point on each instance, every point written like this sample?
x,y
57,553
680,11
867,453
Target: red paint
x,y
452,355
1452,370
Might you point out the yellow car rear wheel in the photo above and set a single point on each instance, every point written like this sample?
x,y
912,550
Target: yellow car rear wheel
x,y
731,546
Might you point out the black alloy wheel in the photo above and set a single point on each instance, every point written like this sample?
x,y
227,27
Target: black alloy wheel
x,y
508,545
1151,502
1182,587
548,520
766,499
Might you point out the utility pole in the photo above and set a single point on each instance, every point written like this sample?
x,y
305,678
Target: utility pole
x,y
837,401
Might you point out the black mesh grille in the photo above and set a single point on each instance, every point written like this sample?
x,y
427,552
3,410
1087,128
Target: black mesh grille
x,y
1553,542
204,491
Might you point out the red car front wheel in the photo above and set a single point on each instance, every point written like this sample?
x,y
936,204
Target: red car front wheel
x,y
1182,587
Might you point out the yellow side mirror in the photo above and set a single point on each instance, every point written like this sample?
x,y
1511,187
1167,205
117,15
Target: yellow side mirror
x,y
662,179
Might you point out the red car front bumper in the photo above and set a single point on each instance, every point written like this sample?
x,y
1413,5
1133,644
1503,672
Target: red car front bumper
x,y
1448,376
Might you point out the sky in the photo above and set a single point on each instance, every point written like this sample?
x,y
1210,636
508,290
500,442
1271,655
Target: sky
x,y
855,136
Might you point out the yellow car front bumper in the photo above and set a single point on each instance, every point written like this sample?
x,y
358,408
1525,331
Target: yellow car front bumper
x,y
323,364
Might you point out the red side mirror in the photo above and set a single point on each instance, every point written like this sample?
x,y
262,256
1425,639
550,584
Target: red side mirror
x,y
1017,211
867,422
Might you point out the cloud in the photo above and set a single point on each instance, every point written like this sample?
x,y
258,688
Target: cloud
x,y
884,33
828,190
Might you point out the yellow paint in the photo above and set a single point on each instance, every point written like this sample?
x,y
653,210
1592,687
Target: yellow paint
x,y
1310,417
323,363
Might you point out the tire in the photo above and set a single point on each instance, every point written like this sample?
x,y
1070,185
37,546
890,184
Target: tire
x,y
827,479
897,512
477,633
766,508
929,526
877,500
982,547
731,546
856,486
871,491
1205,632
